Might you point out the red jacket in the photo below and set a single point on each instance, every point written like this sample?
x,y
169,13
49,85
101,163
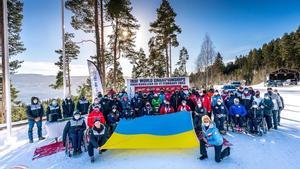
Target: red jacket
x,y
206,102
182,108
193,98
165,110
95,114
168,96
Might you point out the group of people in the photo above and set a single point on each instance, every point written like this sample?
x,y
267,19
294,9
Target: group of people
x,y
211,110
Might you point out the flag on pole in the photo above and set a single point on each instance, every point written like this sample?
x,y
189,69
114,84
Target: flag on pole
x,y
95,79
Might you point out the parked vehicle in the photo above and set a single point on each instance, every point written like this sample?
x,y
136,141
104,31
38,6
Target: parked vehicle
x,y
229,88
236,84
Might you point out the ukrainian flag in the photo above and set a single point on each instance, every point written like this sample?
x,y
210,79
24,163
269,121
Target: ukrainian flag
x,y
168,131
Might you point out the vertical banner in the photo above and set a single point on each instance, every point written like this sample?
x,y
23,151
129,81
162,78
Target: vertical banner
x,y
95,79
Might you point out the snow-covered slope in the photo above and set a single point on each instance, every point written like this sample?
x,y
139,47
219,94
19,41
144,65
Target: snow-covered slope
x,y
277,149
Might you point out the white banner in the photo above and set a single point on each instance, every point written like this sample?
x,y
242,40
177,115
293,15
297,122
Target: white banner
x,y
95,79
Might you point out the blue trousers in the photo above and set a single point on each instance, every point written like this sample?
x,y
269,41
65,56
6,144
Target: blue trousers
x,y
31,125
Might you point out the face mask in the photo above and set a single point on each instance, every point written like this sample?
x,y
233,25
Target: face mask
x,y
35,101
96,102
267,98
270,92
206,124
219,103
54,103
183,104
255,106
246,92
236,103
199,104
231,94
201,94
114,110
77,116
68,98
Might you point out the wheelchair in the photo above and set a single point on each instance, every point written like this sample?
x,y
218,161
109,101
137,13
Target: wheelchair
x,y
69,149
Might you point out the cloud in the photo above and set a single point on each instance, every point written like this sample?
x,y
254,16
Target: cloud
x,y
48,68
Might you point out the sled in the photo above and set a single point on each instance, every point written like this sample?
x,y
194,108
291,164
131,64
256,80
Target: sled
x,y
48,150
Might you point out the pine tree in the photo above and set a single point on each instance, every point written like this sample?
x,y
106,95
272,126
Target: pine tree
x,y
166,31
122,39
120,82
183,58
86,17
218,66
15,44
156,60
71,53
140,66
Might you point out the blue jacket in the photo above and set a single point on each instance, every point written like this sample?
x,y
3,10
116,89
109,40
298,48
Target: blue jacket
x,y
212,135
238,109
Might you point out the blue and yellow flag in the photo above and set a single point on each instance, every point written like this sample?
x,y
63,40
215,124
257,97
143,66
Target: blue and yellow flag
x,y
168,131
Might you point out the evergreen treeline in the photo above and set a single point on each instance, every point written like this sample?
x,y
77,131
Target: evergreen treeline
x,y
253,67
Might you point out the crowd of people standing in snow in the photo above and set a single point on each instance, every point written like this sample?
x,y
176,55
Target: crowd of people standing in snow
x,y
214,113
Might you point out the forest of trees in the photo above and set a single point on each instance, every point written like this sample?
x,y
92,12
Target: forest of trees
x,y
253,67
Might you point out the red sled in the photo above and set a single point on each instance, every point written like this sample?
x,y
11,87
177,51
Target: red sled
x,y
48,150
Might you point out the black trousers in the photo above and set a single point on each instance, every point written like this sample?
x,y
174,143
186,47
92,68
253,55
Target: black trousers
x,y
269,121
220,122
218,151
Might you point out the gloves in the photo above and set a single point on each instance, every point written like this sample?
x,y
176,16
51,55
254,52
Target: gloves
x,y
99,148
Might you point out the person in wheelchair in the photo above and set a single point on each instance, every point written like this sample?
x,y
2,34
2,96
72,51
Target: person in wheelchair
x,y
238,113
256,116
220,112
98,137
75,130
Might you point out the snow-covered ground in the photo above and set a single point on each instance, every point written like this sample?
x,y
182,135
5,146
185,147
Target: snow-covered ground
x,y
277,149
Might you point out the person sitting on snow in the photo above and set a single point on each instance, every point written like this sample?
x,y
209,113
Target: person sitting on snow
x,y
95,114
211,136
98,137
53,111
75,129
166,108
184,106
238,113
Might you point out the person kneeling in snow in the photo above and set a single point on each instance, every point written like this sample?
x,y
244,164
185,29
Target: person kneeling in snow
x,y
211,136
98,135
75,129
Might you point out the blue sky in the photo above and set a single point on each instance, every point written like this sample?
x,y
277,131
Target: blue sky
x,y
235,27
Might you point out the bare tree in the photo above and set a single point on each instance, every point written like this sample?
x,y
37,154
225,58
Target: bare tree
x,y
206,58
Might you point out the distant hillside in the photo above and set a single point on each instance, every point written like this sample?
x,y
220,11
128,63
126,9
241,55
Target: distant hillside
x,y
38,85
